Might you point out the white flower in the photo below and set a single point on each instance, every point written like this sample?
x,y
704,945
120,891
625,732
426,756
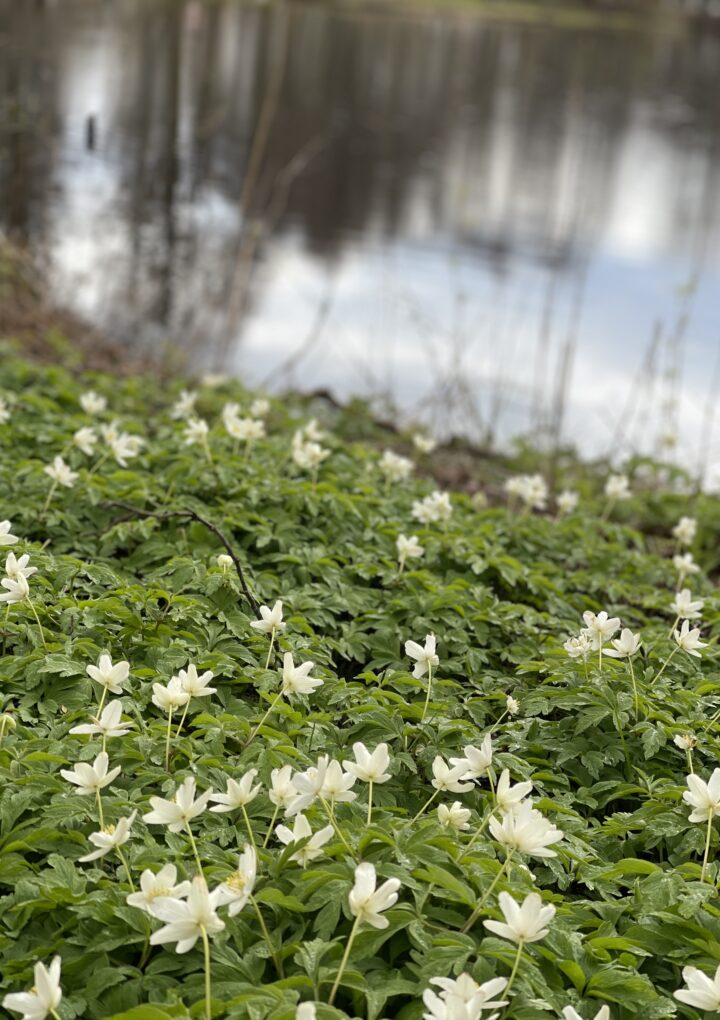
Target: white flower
x,y
512,705
196,431
4,411
301,830
245,429
337,785
578,647
463,998
308,456
451,779
507,796
685,530
311,431
85,440
17,589
109,838
90,778
424,657
567,501
194,685
626,645
424,444
213,379
260,408
369,768
704,798
5,537
45,996
531,489
702,991
572,1014
523,922
238,794
308,786
478,759
282,792
109,432
685,565
295,679
394,467
408,548
435,507
617,487
61,473
152,886
92,403
684,606
177,813
600,628
184,406
271,619
688,640
113,678
124,447
187,920
526,830
108,724
168,698
224,561
685,741
238,887
367,903
454,816
306,1011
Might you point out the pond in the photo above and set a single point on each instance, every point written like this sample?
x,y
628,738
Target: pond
x,y
501,224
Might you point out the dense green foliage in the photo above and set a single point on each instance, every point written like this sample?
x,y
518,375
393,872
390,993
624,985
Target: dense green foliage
x,y
502,591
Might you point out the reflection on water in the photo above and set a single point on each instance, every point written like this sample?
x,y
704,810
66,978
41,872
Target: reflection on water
x,y
492,222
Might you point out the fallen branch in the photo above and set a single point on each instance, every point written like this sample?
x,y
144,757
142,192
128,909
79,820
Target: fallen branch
x,y
163,515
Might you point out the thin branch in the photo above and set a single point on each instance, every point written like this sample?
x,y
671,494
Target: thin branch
x,y
164,515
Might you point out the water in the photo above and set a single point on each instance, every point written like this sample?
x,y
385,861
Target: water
x,y
494,222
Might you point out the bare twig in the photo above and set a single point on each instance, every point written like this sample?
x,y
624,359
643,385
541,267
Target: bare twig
x,y
164,515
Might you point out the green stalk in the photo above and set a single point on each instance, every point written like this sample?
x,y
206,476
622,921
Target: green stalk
x,y
487,894
425,806
270,649
208,987
168,735
707,846
666,664
262,721
344,962
248,826
193,844
272,826
123,858
514,970
427,698
37,620
98,800
338,832
266,936
369,811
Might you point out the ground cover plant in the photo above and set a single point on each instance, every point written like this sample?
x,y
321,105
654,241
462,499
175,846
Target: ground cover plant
x,y
285,732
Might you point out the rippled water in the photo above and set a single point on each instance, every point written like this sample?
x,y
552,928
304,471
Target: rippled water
x,y
504,226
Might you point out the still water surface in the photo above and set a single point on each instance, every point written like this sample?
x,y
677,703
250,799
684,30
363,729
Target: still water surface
x,y
505,227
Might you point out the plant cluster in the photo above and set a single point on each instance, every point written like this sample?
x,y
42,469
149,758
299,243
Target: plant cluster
x,y
286,733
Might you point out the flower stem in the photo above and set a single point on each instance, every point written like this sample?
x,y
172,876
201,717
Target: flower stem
x,y
272,826
344,961
266,936
707,846
478,832
248,826
51,493
487,894
208,986
183,718
369,811
98,800
425,806
514,970
333,821
168,736
259,726
123,858
102,701
666,664
37,620
427,697
635,690
690,761
270,649
193,844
